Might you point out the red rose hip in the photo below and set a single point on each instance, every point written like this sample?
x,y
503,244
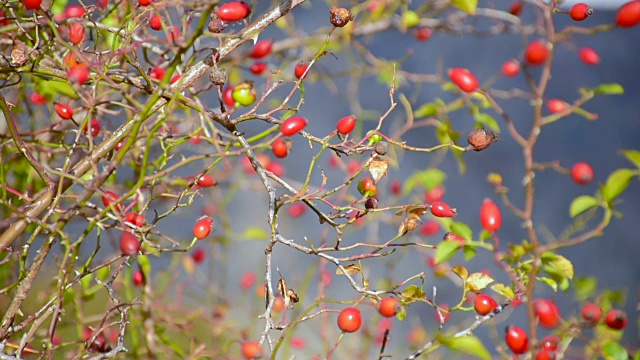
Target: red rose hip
x,y
484,304
441,209
233,11
629,14
582,173
349,320
465,80
389,307
536,53
490,216
346,124
616,319
293,125
517,339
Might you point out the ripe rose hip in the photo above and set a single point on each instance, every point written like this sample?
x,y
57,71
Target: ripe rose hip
x,y
129,244
109,197
389,307
545,355
157,73
349,320
517,339
423,34
441,209
297,209
556,105
202,228
155,22
490,216
580,11
173,33
616,319
582,173
138,277
134,219
198,255
550,342
293,125
32,4
74,11
536,53
93,127
247,280
511,68
429,228
484,304
233,11
76,33
591,313
629,14
547,312
36,99
301,69
281,147
227,97
465,80
144,2
434,194
64,111
251,350
516,8
79,74
346,124
261,49
205,181
589,56
480,139
258,67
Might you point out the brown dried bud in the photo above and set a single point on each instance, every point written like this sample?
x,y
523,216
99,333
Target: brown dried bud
x,y
216,25
381,147
340,16
411,224
217,76
480,139
371,203
19,54
451,236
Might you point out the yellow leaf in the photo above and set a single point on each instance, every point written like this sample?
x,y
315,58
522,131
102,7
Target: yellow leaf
x,y
478,281
351,269
378,169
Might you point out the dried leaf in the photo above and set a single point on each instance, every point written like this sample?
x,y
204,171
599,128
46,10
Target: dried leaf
x,y
352,269
478,281
378,169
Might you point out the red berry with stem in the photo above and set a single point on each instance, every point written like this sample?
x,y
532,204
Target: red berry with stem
x,y
227,97
545,355
346,124
423,33
301,70
389,307
484,304
36,99
517,339
202,228
251,350
32,4
589,56
629,14
580,11
111,197
367,188
616,319
465,80
293,125
76,32
79,74
556,105
261,49
64,111
536,53
511,68
199,255
138,277
93,127
281,147
490,216
258,67
547,312
434,194
233,11
144,2
550,342
129,244
134,219
155,22
205,181
441,209
349,320
591,313
582,173
157,73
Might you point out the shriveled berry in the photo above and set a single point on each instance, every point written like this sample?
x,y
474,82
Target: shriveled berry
x,y
340,17
480,139
441,209
465,80
261,49
129,244
580,11
381,147
371,203
293,125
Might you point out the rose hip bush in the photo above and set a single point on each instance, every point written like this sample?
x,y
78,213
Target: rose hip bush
x,y
143,148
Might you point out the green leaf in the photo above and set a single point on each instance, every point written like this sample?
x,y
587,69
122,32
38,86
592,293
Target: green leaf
x,y
582,204
412,291
145,265
445,251
617,182
53,88
469,345
614,351
559,262
58,6
429,179
550,282
255,233
609,89
427,110
469,252
469,6
85,281
462,229
633,156
585,288
103,273
487,121
503,290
